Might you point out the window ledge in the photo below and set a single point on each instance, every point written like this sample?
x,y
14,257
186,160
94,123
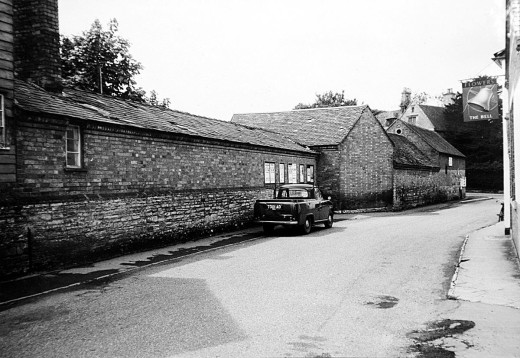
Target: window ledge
x,y
80,170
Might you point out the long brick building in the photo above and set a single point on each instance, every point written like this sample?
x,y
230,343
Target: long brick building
x,y
85,176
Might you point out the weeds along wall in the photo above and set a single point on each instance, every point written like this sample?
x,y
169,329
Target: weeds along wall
x,y
136,189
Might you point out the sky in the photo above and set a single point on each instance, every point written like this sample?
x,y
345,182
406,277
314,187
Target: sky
x,y
215,58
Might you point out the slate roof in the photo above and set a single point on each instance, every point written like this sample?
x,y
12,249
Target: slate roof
x,y
309,127
434,139
407,155
106,109
436,115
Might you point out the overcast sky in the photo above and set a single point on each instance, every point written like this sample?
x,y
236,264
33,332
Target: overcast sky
x,y
218,57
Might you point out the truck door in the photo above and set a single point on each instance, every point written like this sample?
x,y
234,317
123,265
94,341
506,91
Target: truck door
x,y
322,210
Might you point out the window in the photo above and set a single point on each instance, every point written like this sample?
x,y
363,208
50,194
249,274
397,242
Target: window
x,y
269,173
450,161
399,131
302,173
412,119
282,173
310,173
291,173
73,147
3,141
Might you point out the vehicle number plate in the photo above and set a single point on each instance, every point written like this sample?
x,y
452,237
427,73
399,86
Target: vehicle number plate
x,y
274,206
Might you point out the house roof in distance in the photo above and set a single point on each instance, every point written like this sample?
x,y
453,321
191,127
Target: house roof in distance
x,y
309,127
434,139
111,110
407,155
436,115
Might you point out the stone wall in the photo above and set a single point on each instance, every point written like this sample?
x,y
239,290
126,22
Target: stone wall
x,y
136,189
50,235
416,187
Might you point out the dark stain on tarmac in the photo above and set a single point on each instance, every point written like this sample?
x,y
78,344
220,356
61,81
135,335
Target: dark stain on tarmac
x,y
436,330
28,286
384,302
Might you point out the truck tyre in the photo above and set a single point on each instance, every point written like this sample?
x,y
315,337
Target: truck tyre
x,y
330,221
268,228
307,226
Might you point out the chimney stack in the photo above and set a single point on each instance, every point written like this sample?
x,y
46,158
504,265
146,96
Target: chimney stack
x,y
406,98
448,97
37,43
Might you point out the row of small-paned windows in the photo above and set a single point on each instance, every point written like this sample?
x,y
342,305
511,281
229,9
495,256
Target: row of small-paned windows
x,y
290,173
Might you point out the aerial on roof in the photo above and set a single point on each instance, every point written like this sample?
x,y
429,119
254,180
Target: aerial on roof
x,y
310,127
434,139
106,109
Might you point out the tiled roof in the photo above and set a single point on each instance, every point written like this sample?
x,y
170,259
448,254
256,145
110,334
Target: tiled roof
x,y
435,140
406,154
106,109
310,127
436,115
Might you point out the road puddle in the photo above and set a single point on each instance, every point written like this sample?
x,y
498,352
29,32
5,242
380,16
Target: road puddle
x,y
430,342
383,302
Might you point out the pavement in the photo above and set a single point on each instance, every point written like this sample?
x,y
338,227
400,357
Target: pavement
x,y
488,269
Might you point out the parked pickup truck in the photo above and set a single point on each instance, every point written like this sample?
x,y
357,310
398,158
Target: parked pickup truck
x,y
294,205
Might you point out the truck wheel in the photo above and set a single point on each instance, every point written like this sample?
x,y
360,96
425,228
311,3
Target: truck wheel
x,y
307,226
268,228
329,222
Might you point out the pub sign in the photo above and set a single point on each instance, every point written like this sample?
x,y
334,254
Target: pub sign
x,y
480,100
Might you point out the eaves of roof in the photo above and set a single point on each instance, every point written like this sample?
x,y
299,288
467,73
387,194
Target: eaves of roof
x,y
110,110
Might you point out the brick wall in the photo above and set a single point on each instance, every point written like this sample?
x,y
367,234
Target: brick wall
x,y
37,43
138,189
416,188
328,173
366,166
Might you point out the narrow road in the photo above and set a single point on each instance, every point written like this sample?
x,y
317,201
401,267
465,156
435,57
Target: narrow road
x,y
359,289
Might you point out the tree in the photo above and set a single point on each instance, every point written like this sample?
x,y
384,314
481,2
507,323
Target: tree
x,y
480,141
329,99
100,61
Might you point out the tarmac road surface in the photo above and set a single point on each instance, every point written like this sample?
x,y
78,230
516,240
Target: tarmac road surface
x,y
374,285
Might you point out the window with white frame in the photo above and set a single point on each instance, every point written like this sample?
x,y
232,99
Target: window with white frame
x,y
3,136
73,147
282,172
302,173
310,173
292,173
269,173
450,161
